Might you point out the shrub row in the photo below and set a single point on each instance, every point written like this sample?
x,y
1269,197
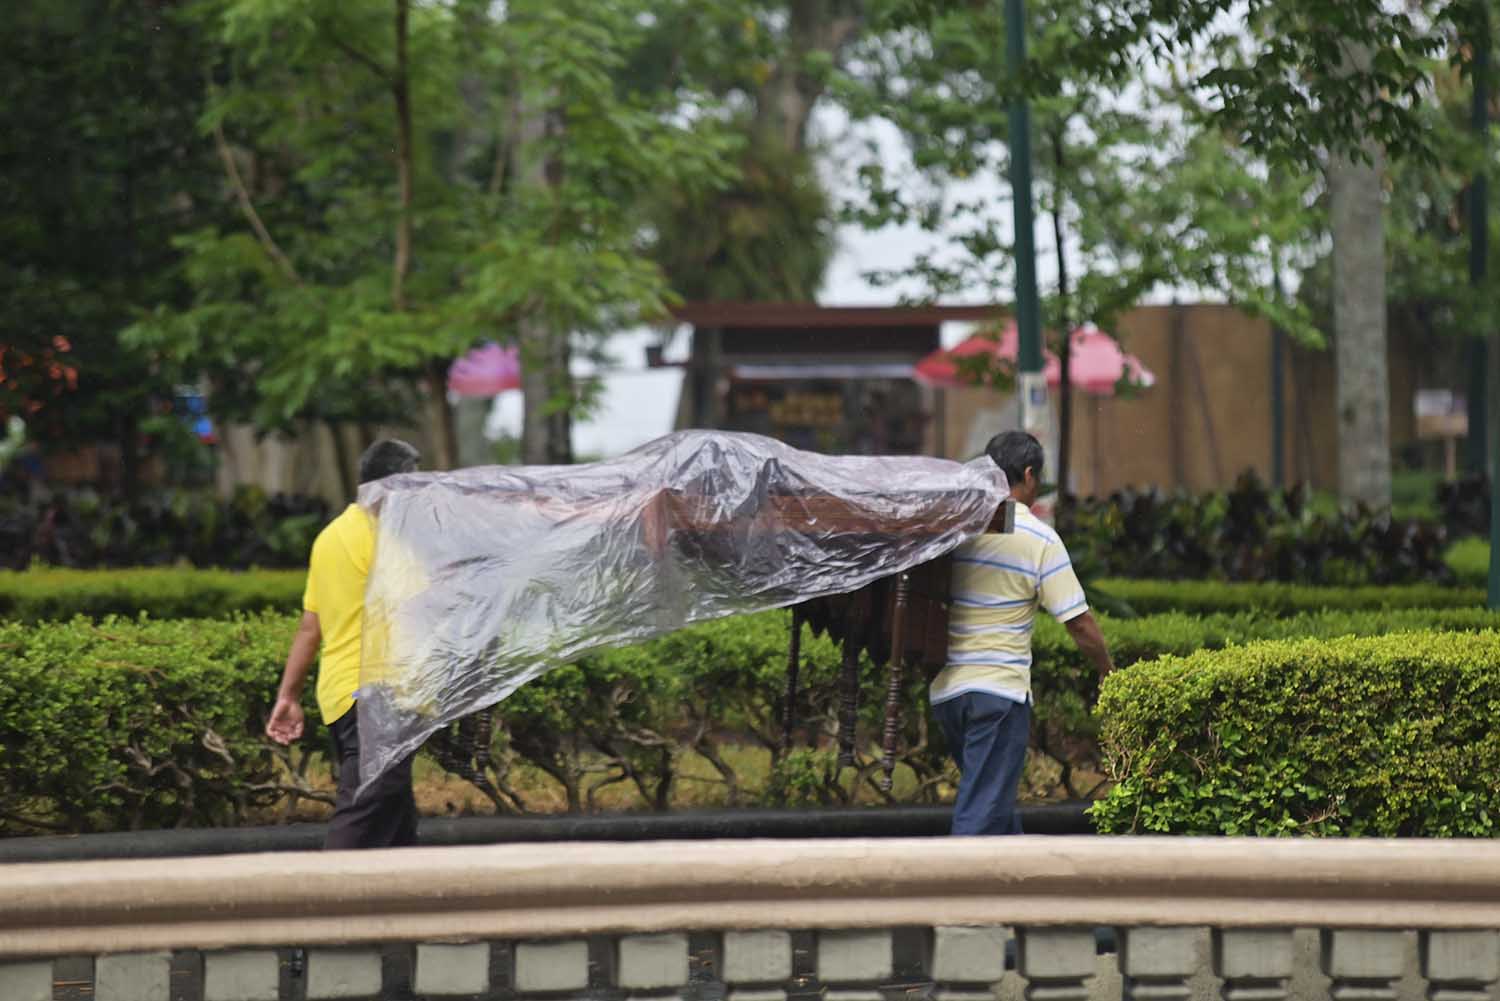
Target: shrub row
x,y
1250,533
1066,687
1384,736
59,594
83,528
41,594
1150,597
1247,533
150,724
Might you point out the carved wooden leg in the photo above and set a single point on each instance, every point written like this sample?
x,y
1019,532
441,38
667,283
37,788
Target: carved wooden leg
x,y
893,686
789,697
848,700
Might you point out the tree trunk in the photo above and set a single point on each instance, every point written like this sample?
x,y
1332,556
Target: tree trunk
x,y
435,379
345,462
535,390
440,416
401,93
1359,320
546,421
560,381
785,102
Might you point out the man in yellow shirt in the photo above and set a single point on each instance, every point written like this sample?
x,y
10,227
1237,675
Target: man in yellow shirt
x,y
982,698
332,617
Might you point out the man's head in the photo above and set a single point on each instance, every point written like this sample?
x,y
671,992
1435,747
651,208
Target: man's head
x,y
387,457
1020,456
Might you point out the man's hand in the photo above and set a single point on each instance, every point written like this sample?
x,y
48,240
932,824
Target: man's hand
x,y
285,724
1085,632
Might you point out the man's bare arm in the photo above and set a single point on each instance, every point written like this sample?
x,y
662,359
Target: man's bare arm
x,y
1085,632
285,724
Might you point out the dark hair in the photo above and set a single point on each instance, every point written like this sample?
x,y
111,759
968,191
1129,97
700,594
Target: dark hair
x,y
1014,452
387,457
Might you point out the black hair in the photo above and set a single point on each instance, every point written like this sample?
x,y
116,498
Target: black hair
x,y
1015,452
387,457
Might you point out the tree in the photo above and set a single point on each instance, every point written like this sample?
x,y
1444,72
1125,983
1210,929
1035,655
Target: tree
x,y
1139,191
94,191
767,233
397,207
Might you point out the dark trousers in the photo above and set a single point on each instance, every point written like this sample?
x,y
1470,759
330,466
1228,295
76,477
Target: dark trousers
x,y
987,736
386,815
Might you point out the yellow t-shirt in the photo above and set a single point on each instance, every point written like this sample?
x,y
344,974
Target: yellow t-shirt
x,y
998,583
336,578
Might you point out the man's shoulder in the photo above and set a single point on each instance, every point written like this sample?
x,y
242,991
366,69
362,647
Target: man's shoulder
x,y
1029,525
350,526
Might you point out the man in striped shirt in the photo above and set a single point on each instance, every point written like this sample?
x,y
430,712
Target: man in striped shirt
x,y
982,699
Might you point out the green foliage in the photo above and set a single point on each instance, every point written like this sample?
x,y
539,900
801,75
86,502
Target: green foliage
x,y
765,236
1385,736
1251,533
1135,192
1151,597
1465,506
97,109
1469,559
1065,687
618,716
52,594
516,197
84,528
138,724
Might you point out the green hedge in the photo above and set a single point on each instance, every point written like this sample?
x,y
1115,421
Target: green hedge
x,y
1197,597
42,594
1393,735
1066,686
165,593
137,723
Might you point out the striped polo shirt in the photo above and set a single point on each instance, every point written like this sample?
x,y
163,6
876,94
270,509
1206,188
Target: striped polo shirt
x,y
998,582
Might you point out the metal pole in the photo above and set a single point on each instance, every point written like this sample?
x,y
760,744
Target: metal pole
x,y
1032,382
1278,396
1478,450
1478,269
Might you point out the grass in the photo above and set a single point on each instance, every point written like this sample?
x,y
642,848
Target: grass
x,y
1470,561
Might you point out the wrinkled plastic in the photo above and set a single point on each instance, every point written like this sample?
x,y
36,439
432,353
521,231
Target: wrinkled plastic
x,y
484,579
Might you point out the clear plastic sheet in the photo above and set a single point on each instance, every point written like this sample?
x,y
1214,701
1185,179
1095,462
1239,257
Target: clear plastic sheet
x,y
485,578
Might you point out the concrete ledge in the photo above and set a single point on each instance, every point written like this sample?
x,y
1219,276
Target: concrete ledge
x,y
574,890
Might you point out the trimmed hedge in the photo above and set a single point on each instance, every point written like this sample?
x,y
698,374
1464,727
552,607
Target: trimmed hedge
x,y
1384,736
164,593
46,593
149,724
1150,597
138,724
1066,687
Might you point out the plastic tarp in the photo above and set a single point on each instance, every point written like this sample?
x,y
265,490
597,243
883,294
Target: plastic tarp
x,y
485,578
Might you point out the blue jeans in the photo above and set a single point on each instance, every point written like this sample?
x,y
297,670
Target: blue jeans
x,y
987,735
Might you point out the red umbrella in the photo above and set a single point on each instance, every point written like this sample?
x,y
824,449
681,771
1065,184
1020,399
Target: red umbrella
x,y
1097,364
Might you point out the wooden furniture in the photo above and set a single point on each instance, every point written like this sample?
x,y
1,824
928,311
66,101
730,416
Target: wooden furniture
x,y
899,621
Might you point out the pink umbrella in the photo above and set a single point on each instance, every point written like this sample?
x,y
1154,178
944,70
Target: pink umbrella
x,y
486,371
1097,365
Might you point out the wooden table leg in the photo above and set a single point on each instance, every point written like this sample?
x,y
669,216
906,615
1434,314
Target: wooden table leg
x,y
789,696
893,686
